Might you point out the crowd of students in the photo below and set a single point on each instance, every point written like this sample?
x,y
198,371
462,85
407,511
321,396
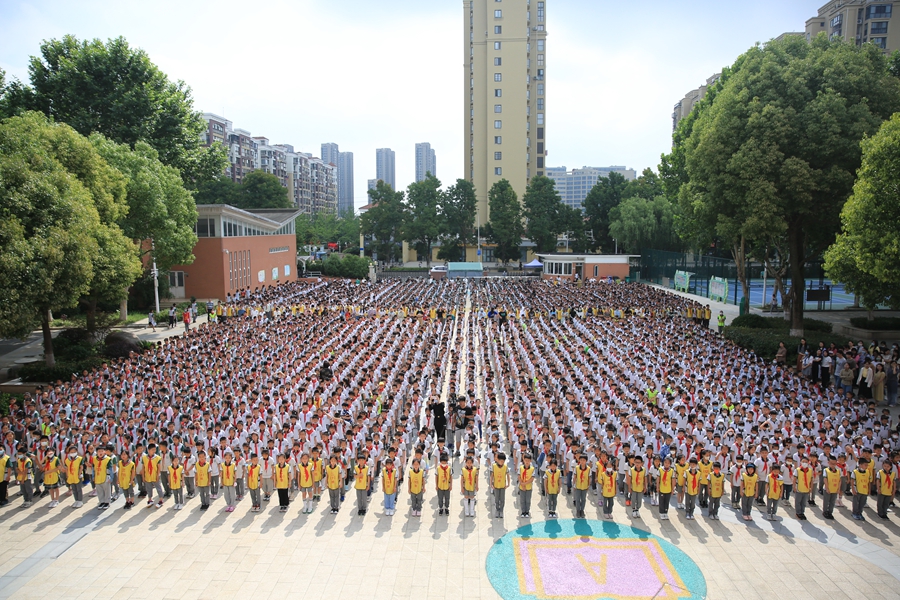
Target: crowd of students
x,y
613,394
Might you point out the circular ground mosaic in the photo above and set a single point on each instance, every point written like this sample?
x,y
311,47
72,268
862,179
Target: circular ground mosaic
x,y
578,558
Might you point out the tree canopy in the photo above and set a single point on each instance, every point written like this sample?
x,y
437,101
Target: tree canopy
x,y
505,228
775,151
606,194
457,213
866,255
543,211
116,90
383,221
421,223
258,190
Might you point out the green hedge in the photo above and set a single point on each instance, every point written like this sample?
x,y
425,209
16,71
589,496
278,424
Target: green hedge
x,y
62,370
5,400
764,342
877,324
754,321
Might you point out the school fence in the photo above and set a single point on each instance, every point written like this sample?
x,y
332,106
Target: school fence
x,y
710,276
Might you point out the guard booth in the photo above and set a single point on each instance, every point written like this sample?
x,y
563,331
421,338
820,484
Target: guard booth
x,y
465,270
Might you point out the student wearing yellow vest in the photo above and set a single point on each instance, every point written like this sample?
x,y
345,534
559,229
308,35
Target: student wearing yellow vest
x,y
126,475
254,482
832,477
581,479
150,463
318,466
176,481
748,490
705,467
416,486
607,480
526,483
24,474
282,477
774,490
499,482
228,474
102,477
4,479
665,483
390,478
333,477
552,486
691,488
203,479
637,480
443,482
305,482
860,480
804,484
362,481
716,490
74,467
468,484
886,484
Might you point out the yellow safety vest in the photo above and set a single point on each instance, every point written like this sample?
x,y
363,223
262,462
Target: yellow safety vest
x,y
333,477
126,474
750,484
362,478
582,478
692,483
862,481
100,466
389,481
444,475
553,481
73,470
637,480
526,478
774,488
416,479
469,478
666,480
887,482
202,474
499,474
805,480
609,484
832,480
716,485
176,476
228,474
305,474
253,472
51,475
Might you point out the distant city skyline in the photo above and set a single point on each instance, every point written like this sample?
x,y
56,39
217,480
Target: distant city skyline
x,y
385,166
426,161
611,101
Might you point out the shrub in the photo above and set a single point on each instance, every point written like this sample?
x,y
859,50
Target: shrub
x,y
6,399
754,321
62,370
877,324
764,342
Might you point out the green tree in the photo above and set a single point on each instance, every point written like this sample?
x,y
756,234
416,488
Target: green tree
x,y
383,221
505,228
866,255
542,208
421,225
639,223
116,90
647,185
219,190
776,151
457,218
263,190
575,227
321,228
606,194
159,207
49,224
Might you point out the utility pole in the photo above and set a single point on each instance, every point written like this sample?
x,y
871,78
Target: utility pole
x,y
155,272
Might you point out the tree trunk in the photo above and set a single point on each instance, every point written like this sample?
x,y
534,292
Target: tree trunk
x,y
798,283
123,310
870,315
739,253
49,359
91,315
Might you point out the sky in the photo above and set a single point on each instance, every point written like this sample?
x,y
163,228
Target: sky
x,y
369,74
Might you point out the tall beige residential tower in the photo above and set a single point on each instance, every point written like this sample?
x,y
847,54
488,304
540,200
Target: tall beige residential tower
x,y
505,79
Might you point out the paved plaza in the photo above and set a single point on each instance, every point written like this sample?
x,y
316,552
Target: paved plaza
x,y
157,552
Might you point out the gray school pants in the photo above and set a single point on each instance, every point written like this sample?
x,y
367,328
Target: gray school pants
x,y
772,506
859,503
417,501
580,499
525,501
443,499
77,492
800,502
204,495
637,498
229,495
255,497
690,502
664,501
828,502
335,497
551,502
104,492
884,502
164,478
714,504
609,502
189,484
746,505
268,485
178,494
362,497
214,484
499,499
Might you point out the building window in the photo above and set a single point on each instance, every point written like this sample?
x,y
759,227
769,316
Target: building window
x,y
540,12
497,61
498,108
540,133
497,45
498,139
498,77
836,22
498,124
540,73
498,29
540,60
176,279
880,28
498,14
540,162
540,89
498,93
881,42
540,104
540,45
879,11
498,170
206,228
540,118
498,156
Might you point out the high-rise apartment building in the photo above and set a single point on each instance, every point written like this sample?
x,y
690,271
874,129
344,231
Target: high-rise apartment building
x,y
686,104
384,166
505,78
857,22
343,162
311,182
425,161
345,183
573,186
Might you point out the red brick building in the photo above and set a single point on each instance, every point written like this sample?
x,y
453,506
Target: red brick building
x,y
237,249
